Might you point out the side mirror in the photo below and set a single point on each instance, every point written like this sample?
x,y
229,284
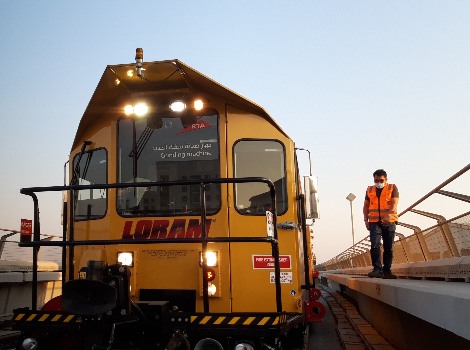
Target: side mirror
x,y
311,197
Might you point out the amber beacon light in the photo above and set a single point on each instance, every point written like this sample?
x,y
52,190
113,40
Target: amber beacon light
x,y
139,58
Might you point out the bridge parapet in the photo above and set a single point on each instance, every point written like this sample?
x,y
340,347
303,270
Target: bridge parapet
x,y
438,303
439,251
16,280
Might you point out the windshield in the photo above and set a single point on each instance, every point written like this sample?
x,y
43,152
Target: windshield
x,y
168,149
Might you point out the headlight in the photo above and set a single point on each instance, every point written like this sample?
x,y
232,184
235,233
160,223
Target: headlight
x,y
128,110
211,289
178,106
198,105
141,109
211,258
126,258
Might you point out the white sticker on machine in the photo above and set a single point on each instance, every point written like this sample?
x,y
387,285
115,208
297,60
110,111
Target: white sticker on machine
x,y
286,277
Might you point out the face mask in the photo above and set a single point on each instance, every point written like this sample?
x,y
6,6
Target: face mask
x,y
380,185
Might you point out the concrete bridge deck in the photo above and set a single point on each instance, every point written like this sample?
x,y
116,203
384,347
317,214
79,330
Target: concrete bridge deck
x,y
410,313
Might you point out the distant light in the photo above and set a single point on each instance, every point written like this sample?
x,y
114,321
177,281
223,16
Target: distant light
x,y
128,110
130,73
141,109
198,105
117,81
178,106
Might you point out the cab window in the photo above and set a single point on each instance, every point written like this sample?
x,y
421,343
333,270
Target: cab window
x,y
91,170
168,149
259,158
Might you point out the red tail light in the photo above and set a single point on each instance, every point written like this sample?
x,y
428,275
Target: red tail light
x,y
210,274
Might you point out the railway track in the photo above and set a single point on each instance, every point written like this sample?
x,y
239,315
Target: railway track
x,y
354,332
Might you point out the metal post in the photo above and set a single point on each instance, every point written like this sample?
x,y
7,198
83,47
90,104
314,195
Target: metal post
x,y
36,238
305,243
71,235
205,281
350,198
352,228
64,239
445,230
275,248
421,241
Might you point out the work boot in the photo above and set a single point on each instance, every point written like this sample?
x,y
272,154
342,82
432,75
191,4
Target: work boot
x,y
376,273
389,276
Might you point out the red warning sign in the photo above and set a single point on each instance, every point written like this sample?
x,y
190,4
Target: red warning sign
x,y
267,262
26,230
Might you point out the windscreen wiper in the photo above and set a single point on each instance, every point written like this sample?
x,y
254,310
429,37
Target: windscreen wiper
x,y
76,170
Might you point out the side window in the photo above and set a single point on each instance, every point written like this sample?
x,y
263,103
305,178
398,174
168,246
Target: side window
x,y
92,170
259,158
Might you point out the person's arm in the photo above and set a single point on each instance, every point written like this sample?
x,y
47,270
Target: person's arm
x,y
393,205
392,210
365,211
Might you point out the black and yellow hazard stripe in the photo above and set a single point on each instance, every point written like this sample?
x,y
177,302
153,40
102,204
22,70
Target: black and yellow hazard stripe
x,y
44,317
231,320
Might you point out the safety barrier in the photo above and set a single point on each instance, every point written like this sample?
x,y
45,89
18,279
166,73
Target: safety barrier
x,y
441,250
9,250
71,242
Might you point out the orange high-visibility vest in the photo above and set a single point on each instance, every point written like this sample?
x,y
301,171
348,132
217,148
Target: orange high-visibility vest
x,y
379,206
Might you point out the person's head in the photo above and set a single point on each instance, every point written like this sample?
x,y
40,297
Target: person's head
x,y
380,178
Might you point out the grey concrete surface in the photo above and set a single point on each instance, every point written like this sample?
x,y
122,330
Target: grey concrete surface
x,y
323,334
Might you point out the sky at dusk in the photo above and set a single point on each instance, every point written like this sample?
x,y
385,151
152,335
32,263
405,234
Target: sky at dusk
x,y
362,84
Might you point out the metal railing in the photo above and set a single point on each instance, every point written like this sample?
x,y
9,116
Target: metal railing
x,y
71,242
9,250
447,239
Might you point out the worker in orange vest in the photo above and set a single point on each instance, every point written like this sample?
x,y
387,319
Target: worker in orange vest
x,y
380,217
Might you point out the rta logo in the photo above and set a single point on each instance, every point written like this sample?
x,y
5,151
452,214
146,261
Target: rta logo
x,y
196,126
200,125
158,229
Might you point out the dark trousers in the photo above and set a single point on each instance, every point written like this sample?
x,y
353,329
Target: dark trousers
x,y
380,231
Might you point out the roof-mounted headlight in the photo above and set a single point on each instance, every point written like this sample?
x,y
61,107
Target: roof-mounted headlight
x,y
141,109
178,106
198,105
128,110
